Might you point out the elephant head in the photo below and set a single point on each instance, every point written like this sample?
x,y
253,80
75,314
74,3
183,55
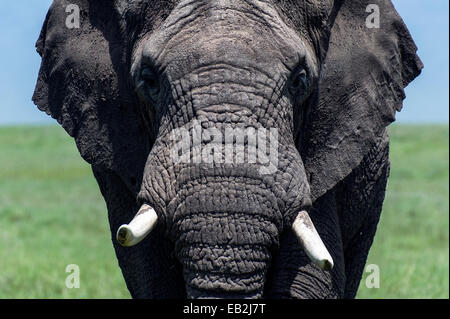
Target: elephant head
x,y
222,123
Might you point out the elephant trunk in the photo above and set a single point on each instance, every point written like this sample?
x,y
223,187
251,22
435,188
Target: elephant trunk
x,y
224,175
224,218
224,237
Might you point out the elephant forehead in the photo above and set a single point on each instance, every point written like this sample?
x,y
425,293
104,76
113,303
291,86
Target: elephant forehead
x,y
249,33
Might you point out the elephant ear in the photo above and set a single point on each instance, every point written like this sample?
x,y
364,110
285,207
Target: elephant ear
x,y
83,84
363,73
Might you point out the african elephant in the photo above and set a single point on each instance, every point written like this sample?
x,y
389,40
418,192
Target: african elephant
x,y
313,72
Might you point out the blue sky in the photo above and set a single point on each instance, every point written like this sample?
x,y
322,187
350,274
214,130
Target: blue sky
x,y
21,20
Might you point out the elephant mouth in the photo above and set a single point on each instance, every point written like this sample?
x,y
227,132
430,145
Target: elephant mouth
x,y
219,263
146,219
225,221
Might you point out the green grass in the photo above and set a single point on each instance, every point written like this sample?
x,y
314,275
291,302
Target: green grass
x,y
411,246
52,215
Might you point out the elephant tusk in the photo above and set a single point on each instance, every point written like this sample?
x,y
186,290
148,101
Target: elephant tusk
x,y
310,240
141,225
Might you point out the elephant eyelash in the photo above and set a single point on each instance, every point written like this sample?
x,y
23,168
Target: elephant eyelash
x,y
149,83
300,79
149,76
299,82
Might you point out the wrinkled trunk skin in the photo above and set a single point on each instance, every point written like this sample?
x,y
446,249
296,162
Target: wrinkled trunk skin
x,y
225,219
224,242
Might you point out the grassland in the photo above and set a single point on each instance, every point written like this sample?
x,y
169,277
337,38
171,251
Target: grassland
x,y
411,247
52,215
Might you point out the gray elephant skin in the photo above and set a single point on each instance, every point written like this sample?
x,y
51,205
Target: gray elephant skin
x,y
136,71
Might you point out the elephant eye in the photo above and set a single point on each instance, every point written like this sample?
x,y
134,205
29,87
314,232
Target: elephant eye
x,y
150,79
299,82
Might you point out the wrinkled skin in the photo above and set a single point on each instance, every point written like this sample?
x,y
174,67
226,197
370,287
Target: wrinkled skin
x,y
137,70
